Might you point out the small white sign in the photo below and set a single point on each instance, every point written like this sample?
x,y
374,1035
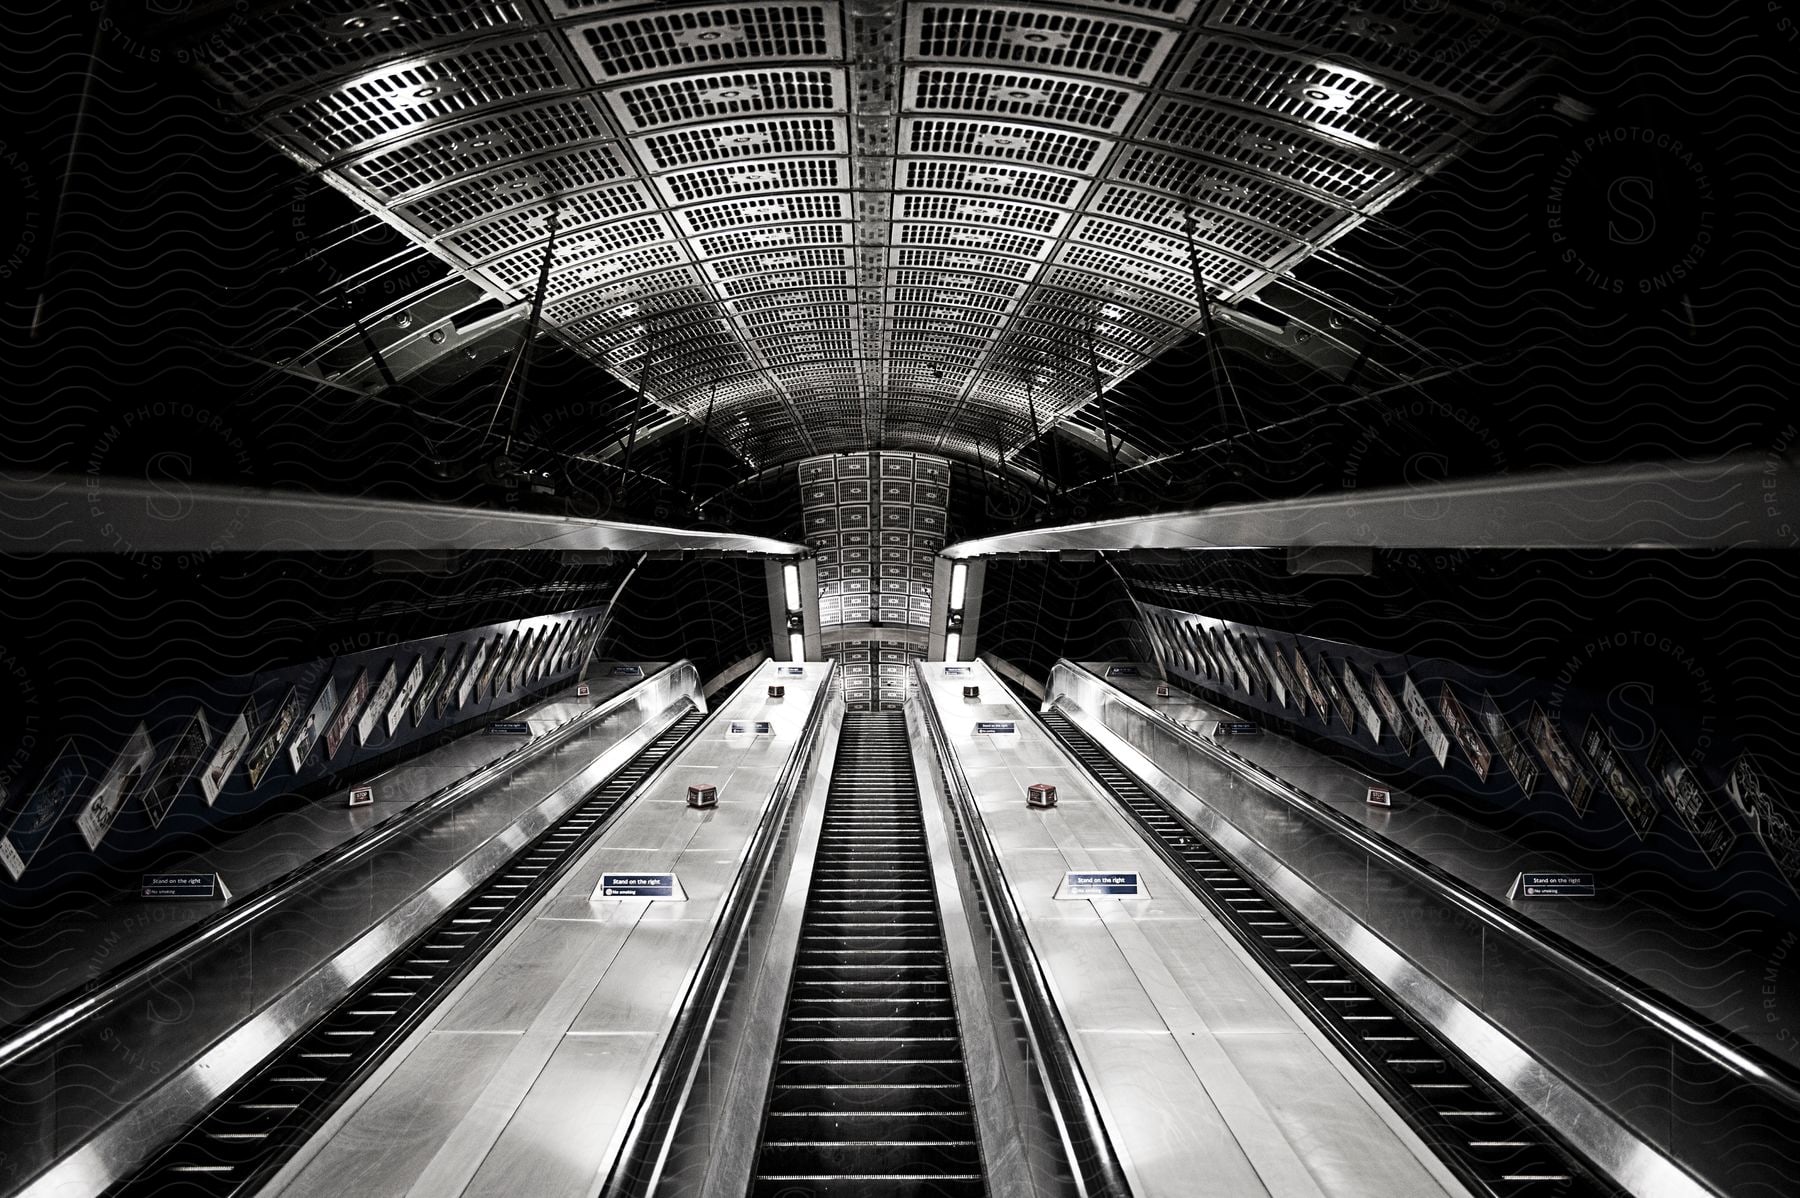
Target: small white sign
x,y
657,887
1101,883
362,796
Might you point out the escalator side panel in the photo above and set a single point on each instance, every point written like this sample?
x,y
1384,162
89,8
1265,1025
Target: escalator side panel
x,y
1487,1139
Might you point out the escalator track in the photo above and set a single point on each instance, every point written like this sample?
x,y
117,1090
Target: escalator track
x,y
244,1137
1495,1147
870,1095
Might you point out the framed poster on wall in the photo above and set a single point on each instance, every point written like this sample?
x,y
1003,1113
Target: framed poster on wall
x,y
1617,778
1359,698
272,737
32,824
1770,817
1462,730
1576,783
310,729
378,702
465,687
232,747
403,698
1390,710
1314,691
434,691
122,778
1500,733
338,730
1688,795
1286,686
179,762
503,648
1435,738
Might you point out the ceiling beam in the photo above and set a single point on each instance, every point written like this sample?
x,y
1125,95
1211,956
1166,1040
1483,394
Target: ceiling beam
x,y
1744,501
67,514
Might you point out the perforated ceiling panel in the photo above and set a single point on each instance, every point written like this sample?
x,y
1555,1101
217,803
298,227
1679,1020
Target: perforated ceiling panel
x,y
843,226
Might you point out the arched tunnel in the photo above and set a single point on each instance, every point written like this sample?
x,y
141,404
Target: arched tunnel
x,y
883,597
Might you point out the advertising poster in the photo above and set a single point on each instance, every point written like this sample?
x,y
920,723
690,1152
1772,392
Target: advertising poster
x,y
1313,690
1209,665
1336,694
1462,730
559,647
403,699
1256,664
32,823
1569,773
588,642
565,640
1359,699
178,765
1231,673
338,730
1688,795
517,673
530,641
230,751
1267,668
485,683
552,650
378,702
524,670
128,770
465,686
1617,778
307,734
1390,710
273,736
1286,686
1500,735
443,694
506,667
1240,656
425,702
1435,737
1768,816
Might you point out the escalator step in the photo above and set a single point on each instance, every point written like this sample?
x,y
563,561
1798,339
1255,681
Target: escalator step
x,y
870,1095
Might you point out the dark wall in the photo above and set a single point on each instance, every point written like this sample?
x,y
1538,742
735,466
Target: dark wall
x,y
713,611
1035,612
1697,649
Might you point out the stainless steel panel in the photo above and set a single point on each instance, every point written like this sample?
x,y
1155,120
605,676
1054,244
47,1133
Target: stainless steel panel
x,y
1284,125
1162,1004
177,1037
1517,1012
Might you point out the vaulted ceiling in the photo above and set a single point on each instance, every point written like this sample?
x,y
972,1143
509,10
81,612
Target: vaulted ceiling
x,y
821,227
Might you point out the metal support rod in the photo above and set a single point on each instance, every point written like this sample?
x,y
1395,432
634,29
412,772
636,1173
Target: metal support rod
x,y
1215,357
516,368
101,23
1112,452
637,400
362,332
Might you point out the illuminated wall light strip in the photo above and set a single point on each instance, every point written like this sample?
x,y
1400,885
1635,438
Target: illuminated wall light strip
x,y
959,581
790,579
796,647
952,645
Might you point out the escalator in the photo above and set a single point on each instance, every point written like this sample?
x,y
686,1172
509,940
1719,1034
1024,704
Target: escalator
x,y
244,1137
870,1095
1498,1149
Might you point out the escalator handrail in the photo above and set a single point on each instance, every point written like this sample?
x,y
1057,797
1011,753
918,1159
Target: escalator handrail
x,y
133,976
1098,1173
672,1077
1718,1044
